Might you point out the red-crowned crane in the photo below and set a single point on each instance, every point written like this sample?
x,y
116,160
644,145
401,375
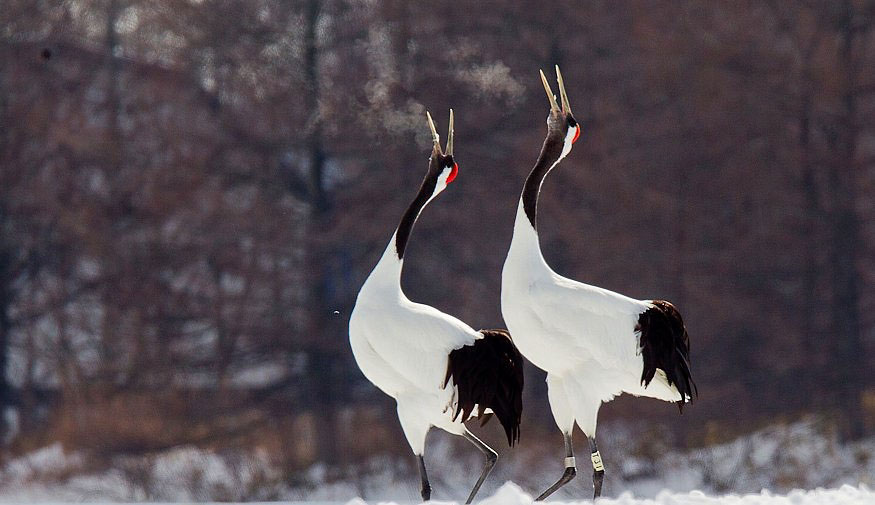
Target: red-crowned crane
x,y
439,370
593,343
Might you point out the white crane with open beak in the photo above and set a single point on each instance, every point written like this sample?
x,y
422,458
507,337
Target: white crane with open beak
x,y
593,343
439,370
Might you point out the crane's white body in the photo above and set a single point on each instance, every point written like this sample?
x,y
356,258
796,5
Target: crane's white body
x,y
402,347
583,336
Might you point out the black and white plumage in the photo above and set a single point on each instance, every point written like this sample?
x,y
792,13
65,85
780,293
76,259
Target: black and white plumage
x,y
490,373
440,371
593,343
665,349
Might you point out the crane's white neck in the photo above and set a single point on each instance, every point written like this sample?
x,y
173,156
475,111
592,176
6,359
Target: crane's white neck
x,y
386,276
525,249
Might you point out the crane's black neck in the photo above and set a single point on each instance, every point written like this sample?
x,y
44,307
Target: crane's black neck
x,y
412,212
550,154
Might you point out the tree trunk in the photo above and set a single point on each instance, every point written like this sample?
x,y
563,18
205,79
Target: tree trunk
x,y
5,329
680,233
5,275
849,351
318,198
323,349
810,295
113,95
110,367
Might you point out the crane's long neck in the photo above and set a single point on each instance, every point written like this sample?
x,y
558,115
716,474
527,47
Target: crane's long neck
x,y
552,153
388,269
525,249
427,191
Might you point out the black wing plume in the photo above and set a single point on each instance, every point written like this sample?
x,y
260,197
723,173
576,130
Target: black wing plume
x,y
489,374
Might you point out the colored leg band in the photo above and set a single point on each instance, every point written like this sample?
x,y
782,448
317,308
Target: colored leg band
x,y
570,462
597,464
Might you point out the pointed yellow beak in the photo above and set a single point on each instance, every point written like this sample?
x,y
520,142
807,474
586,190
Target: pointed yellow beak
x,y
554,107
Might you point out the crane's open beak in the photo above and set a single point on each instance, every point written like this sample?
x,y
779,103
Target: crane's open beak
x,y
554,107
434,134
437,139
450,136
566,106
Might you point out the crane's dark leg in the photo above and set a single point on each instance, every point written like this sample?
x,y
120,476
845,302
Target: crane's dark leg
x,y
491,457
425,487
570,470
598,469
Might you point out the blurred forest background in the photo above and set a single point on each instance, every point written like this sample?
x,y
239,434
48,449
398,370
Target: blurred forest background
x,y
189,190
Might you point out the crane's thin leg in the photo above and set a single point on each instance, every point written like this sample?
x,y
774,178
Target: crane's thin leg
x,y
425,487
491,458
598,469
570,469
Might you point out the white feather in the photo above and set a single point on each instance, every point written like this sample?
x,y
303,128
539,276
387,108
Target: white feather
x,y
583,336
402,347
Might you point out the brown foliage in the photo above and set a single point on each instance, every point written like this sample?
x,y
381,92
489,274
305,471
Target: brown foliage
x,y
189,191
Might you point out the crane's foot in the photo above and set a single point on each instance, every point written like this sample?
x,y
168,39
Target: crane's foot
x,y
598,476
491,458
570,473
425,487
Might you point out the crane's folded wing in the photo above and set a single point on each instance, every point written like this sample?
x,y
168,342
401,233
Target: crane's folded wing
x,y
417,342
588,321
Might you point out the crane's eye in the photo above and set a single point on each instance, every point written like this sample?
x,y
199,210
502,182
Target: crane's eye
x,y
454,173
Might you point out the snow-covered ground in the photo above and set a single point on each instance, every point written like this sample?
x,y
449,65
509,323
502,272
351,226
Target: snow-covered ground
x,y
511,494
804,455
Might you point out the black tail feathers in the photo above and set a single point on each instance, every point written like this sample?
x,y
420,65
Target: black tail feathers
x,y
489,374
665,345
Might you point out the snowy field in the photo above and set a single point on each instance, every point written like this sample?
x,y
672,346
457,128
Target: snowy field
x,y
511,494
782,459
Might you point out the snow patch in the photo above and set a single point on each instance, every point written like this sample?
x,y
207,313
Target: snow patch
x,y
783,458
511,494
